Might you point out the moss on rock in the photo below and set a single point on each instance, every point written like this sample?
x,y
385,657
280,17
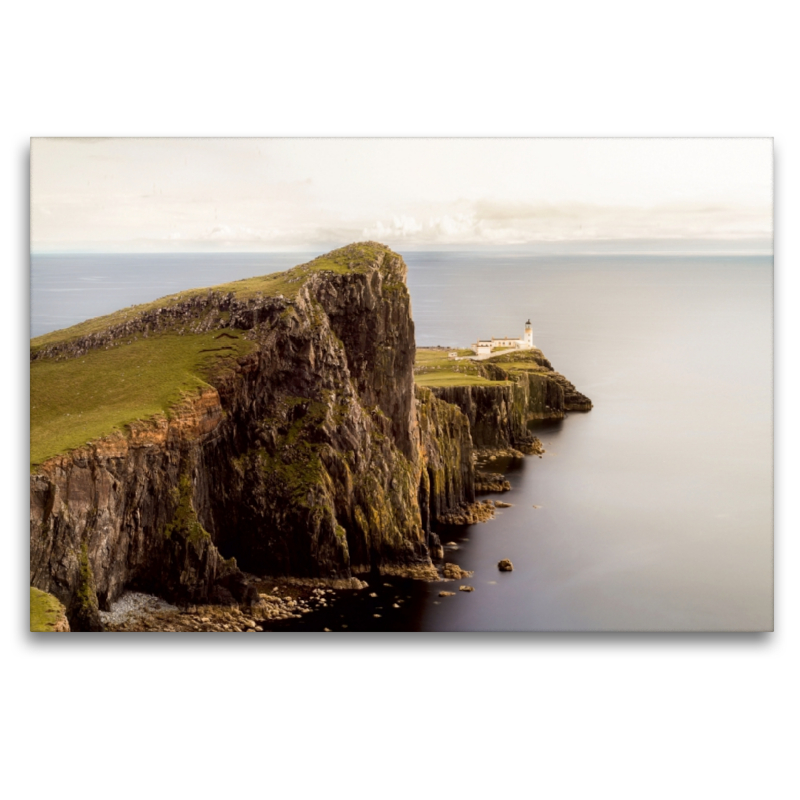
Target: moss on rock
x,y
184,522
47,613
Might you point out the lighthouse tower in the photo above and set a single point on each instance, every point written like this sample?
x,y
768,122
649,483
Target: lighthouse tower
x,y
527,341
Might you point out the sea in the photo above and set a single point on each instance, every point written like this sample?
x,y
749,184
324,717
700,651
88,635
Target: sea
x,y
652,512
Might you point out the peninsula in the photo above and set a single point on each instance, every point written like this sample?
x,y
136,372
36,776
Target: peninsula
x,y
282,428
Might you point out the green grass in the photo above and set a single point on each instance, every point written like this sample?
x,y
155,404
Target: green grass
x,y
519,361
445,378
433,359
45,610
76,400
353,258
434,368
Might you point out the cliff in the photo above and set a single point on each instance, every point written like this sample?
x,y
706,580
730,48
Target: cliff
x,y
447,479
502,395
298,454
271,425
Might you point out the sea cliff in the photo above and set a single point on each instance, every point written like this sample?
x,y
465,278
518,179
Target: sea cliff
x,y
520,386
296,445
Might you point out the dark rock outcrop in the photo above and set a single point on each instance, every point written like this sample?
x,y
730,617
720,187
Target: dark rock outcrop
x,y
447,483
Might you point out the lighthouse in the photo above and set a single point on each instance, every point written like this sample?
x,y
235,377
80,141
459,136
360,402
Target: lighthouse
x,y
527,341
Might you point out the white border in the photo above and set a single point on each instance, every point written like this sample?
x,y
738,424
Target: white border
x,y
559,716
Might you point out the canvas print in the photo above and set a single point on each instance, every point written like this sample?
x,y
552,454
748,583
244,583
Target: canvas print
x,y
364,385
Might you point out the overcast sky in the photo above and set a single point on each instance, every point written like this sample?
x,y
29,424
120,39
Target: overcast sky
x,y
278,194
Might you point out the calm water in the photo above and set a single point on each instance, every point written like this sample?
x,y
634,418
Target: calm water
x,y
655,509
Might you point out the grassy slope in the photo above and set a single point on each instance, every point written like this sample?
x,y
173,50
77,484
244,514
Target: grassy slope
x,y
519,361
45,610
434,368
354,258
76,400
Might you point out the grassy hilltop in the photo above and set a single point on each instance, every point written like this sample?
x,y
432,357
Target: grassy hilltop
x,y
77,399
433,368
354,258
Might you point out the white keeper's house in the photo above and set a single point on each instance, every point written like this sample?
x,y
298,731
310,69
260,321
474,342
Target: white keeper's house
x,y
483,347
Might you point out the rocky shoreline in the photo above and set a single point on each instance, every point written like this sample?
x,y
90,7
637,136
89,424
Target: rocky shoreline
x,y
281,601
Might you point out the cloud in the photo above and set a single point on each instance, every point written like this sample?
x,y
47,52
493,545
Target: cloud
x,y
497,222
400,227
282,194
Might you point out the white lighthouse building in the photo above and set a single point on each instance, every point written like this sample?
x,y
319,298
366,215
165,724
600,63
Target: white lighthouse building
x,y
484,347
527,340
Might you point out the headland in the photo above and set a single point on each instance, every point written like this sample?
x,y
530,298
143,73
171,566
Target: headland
x,y
243,451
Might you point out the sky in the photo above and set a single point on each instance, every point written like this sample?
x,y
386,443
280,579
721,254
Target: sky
x,y
173,195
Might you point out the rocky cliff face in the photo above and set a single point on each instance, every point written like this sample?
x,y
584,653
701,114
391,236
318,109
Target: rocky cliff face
x,y
499,415
311,456
304,458
447,480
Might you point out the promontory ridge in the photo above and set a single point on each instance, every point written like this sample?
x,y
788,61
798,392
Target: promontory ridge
x,y
283,427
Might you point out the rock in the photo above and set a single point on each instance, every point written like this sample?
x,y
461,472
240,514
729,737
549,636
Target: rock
x,y
446,594
505,565
373,594
84,611
220,596
453,572
320,584
491,482
468,514
466,588
500,504
532,448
